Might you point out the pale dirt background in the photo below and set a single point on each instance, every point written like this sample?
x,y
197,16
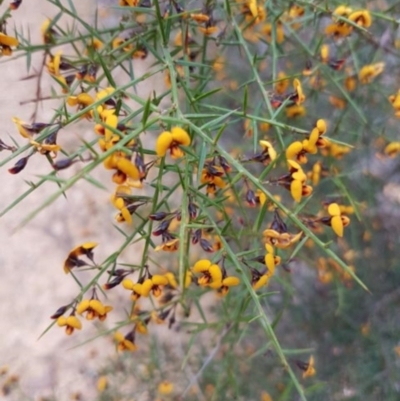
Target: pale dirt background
x,y
33,284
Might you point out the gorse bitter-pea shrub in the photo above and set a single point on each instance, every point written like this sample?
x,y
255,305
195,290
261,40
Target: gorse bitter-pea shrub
x,y
246,121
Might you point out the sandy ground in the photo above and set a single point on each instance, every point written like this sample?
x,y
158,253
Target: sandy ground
x,y
33,284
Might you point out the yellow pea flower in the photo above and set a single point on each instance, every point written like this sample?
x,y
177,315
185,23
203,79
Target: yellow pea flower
x,y
168,246
47,32
295,151
6,44
350,82
395,100
125,343
337,102
299,97
228,282
315,139
325,275
361,18
268,150
335,150
212,176
102,384
265,396
279,32
315,173
153,284
165,387
211,274
310,371
136,288
295,111
281,240
271,261
337,220
252,5
308,368
53,65
86,249
128,3
93,308
260,196
253,13
171,140
259,280
209,29
174,283
70,323
338,30
392,149
83,100
342,11
27,130
157,282
324,51
127,167
297,186
370,71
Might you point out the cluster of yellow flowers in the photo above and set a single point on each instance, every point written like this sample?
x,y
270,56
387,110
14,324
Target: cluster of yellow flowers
x,y
216,190
345,19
